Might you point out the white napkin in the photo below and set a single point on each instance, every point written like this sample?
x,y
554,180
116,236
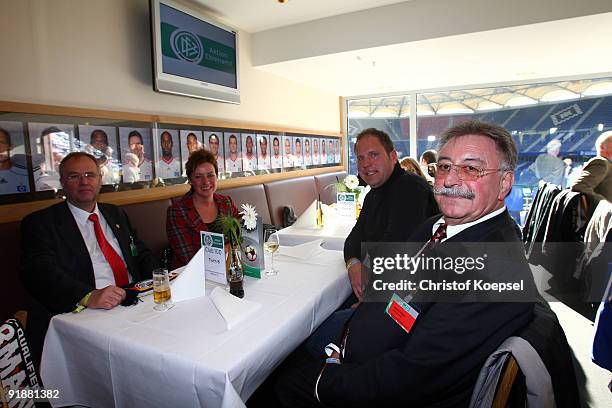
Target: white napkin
x,y
191,283
308,219
303,251
232,309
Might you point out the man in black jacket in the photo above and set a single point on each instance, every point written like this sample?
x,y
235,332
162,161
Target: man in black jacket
x,y
398,202
396,205
430,353
78,252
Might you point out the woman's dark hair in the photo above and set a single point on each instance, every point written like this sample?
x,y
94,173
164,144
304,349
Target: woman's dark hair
x,y
200,157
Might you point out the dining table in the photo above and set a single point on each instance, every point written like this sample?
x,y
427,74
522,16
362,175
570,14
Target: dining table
x,y
332,233
186,356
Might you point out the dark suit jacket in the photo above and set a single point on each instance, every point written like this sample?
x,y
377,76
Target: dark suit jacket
x,y
56,269
391,212
437,363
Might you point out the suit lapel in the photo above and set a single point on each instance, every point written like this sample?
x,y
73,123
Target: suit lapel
x,y
71,236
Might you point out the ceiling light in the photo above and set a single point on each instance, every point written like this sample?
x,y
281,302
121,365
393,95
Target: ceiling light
x,y
520,101
559,95
431,138
600,127
599,88
553,130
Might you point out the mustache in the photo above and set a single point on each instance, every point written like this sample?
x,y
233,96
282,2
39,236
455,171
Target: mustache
x,y
454,192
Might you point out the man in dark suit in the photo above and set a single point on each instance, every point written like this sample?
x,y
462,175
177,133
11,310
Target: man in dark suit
x,y
430,352
78,252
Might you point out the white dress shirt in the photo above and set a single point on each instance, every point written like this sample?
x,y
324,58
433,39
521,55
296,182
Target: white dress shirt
x,y
452,230
102,271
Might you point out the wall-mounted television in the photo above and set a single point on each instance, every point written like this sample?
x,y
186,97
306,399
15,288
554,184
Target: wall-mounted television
x,y
193,55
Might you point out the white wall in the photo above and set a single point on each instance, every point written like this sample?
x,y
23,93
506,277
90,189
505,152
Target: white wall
x,y
97,54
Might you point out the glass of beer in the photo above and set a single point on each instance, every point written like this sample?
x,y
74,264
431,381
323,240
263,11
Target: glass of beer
x,y
161,290
271,244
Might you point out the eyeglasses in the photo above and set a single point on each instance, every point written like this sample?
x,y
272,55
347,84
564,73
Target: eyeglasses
x,y
74,177
465,172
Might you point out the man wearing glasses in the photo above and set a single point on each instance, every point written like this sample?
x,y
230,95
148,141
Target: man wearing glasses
x,y
419,351
78,253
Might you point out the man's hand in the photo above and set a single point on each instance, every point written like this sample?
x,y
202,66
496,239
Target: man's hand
x,y
106,298
355,277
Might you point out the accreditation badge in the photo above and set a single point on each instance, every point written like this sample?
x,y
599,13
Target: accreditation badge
x,y
403,314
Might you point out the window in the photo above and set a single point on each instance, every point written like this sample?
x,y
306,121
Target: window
x,y
574,113
389,114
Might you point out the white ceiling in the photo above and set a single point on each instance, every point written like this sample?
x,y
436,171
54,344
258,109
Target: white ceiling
x,y
572,47
258,15
569,47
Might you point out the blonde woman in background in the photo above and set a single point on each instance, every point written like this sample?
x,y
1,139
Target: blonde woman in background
x,y
411,165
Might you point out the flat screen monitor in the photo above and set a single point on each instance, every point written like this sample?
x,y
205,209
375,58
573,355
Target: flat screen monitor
x,y
192,54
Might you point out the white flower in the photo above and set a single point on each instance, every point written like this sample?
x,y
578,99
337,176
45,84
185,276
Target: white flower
x,y
351,182
249,216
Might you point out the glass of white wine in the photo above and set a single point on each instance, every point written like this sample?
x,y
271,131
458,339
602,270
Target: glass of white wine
x,y
271,244
161,290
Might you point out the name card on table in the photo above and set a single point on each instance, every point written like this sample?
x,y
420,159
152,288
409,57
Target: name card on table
x,y
346,205
214,256
252,250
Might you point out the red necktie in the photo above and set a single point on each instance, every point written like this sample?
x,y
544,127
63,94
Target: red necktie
x,y
112,257
439,235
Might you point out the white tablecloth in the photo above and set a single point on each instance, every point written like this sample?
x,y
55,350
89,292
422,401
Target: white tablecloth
x,y
184,357
333,235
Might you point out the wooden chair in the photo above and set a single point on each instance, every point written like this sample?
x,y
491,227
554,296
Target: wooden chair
x,y
506,382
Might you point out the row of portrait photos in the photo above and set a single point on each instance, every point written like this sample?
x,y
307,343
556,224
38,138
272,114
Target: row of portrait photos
x,y
132,161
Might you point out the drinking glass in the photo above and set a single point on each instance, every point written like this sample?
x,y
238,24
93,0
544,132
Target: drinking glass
x,y
271,244
161,290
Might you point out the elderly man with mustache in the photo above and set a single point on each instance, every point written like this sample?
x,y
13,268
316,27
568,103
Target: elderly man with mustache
x,y
416,350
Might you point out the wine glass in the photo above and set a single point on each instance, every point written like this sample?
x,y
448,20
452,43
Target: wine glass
x,y
161,290
271,244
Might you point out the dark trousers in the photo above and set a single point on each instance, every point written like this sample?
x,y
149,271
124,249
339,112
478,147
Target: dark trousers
x,y
291,384
295,385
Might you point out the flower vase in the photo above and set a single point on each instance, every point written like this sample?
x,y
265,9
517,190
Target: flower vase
x,y
234,269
